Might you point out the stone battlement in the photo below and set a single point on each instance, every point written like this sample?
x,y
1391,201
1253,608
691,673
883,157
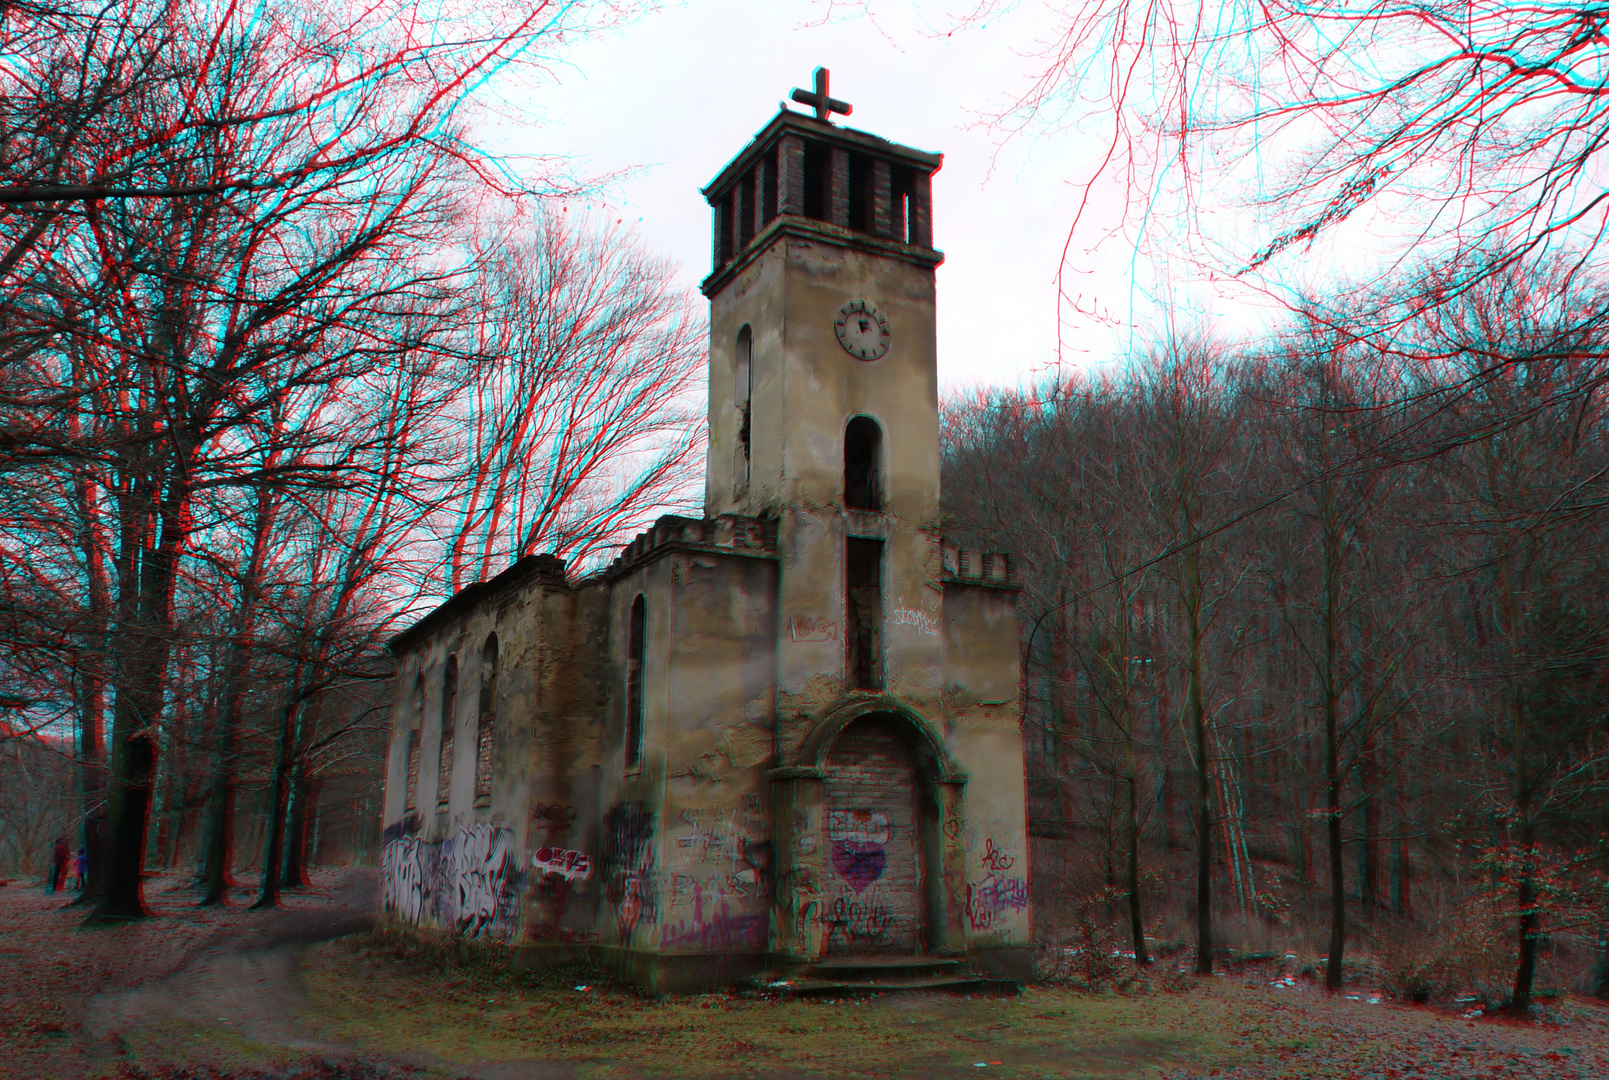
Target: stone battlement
x,y
728,532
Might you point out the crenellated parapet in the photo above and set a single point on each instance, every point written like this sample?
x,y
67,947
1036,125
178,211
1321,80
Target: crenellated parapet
x,y
732,534
990,569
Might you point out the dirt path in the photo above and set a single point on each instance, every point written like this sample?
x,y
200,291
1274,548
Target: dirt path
x,y
247,977
218,987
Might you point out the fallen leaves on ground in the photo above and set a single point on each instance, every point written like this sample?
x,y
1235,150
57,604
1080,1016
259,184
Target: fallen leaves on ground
x,y
1230,1028
394,1010
52,965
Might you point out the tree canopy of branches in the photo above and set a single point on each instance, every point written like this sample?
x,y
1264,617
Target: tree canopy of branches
x,y
1470,128
271,375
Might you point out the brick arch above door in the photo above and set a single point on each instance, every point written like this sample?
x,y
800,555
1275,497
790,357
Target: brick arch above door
x,y
932,758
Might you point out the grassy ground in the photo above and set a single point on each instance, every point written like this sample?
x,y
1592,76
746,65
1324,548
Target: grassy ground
x,y
365,993
229,994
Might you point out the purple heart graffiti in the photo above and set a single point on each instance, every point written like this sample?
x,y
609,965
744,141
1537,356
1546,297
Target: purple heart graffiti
x,y
858,862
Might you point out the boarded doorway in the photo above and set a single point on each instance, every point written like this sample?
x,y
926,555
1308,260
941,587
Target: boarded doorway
x,y
873,903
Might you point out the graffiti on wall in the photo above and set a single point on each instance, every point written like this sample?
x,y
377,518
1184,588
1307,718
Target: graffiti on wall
x,y
720,891
812,628
994,860
486,881
998,893
553,821
720,929
921,621
858,838
469,883
404,871
569,865
628,866
858,922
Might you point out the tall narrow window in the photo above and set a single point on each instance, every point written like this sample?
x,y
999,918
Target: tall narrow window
x,y
902,200
742,382
444,759
726,245
745,210
863,446
411,798
486,722
634,680
860,192
768,186
815,180
863,612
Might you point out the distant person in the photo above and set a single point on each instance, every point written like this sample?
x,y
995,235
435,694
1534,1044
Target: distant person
x,y
58,862
81,865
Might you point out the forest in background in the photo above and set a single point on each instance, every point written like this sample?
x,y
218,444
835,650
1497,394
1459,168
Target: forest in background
x,y
1323,618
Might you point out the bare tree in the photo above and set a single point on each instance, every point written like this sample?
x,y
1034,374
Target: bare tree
x,y
579,421
1476,123
1347,610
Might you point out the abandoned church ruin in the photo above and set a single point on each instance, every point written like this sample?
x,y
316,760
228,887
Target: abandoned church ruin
x,y
778,735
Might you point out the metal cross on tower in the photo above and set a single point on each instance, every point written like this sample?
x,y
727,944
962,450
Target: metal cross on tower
x,y
825,106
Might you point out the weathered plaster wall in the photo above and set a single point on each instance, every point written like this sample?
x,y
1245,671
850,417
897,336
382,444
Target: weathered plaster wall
x,y
462,865
983,674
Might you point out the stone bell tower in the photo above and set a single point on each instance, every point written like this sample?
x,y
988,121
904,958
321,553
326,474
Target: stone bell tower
x,y
894,665
823,387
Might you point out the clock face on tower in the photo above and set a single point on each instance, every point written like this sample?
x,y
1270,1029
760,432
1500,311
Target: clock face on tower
x,y
862,330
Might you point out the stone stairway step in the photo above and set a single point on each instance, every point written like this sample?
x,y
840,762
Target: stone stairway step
x,y
864,968
833,989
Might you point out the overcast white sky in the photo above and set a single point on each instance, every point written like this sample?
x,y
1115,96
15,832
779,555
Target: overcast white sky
x,y
671,96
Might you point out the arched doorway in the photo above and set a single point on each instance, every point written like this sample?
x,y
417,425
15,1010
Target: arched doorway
x,y
873,902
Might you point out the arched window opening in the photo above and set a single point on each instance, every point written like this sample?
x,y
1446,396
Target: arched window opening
x,y
741,389
411,798
444,760
863,446
634,681
485,722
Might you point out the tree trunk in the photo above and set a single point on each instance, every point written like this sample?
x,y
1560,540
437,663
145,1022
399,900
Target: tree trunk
x,y
1369,889
1402,901
302,809
1198,717
1530,916
91,780
218,842
278,805
133,762
1332,818
1332,971
144,642
1530,925
1136,922
89,666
